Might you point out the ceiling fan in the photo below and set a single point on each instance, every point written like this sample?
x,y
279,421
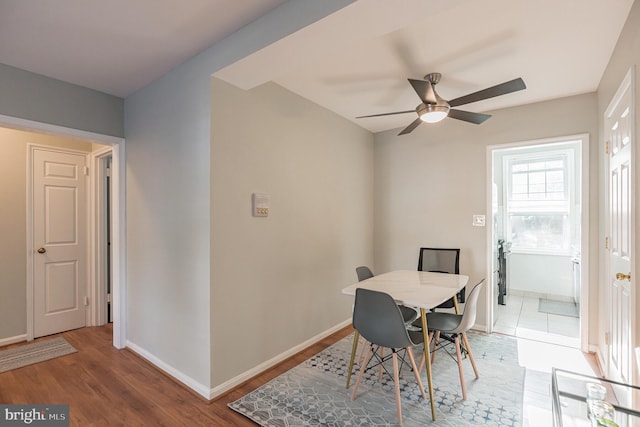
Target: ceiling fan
x,y
433,108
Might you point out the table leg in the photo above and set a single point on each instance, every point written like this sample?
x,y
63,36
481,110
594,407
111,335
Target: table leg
x,y
356,337
455,304
427,358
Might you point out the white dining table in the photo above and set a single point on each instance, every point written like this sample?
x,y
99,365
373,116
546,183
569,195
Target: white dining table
x,y
420,289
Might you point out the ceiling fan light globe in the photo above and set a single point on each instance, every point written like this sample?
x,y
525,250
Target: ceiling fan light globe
x,y
434,113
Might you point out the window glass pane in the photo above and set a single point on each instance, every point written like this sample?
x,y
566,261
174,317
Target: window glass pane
x,y
545,232
536,166
554,164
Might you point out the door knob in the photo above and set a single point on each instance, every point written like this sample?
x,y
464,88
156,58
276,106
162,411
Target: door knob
x,y
622,276
42,250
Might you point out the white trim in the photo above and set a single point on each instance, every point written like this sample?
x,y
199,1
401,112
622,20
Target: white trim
x,y
194,385
119,209
97,220
13,340
239,379
584,228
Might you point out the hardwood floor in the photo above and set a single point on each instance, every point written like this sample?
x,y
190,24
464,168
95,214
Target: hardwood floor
x,y
109,387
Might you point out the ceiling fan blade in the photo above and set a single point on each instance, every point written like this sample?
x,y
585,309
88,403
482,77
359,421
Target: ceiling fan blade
x,y
497,90
468,116
425,91
411,127
387,114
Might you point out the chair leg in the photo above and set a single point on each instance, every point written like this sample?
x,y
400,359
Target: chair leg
x,y
362,350
416,372
422,361
465,341
396,380
380,368
435,345
460,370
361,373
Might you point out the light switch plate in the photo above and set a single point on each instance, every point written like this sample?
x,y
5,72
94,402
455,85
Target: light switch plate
x,y
260,204
478,220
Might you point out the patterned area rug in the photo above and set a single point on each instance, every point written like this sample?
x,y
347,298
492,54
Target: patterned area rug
x,y
313,393
39,351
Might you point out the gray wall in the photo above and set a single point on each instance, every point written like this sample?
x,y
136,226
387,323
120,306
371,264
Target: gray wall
x,y
276,281
13,224
169,235
626,55
42,99
428,184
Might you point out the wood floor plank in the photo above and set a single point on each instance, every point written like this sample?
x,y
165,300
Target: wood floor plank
x,y
105,386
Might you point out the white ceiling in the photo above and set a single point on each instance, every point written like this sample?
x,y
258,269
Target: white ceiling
x,y
354,62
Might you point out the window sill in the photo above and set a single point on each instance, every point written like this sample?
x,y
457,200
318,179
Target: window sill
x,y
540,252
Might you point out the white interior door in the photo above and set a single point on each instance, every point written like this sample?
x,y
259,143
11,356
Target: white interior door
x,y
619,138
59,205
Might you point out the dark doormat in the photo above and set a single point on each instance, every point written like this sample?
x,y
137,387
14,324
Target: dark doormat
x,y
561,308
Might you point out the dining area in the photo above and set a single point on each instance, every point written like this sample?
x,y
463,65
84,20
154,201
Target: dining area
x,y
378,370
398,311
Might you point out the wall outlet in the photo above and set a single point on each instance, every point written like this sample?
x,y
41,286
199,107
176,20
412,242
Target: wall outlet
x,y
478,220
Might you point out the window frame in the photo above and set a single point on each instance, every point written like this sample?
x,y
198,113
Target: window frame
x,y
568,156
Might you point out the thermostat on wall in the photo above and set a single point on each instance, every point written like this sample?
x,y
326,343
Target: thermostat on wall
x,y
260,204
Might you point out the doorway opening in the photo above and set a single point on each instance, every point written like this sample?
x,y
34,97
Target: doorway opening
x,y
538,238
105,146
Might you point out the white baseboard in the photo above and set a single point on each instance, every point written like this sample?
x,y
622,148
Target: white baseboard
x,y
13,340
233,382
170,370
212,393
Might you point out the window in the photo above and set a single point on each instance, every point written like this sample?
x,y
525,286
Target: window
x,y
538,200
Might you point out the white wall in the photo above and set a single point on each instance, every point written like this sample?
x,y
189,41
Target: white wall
x,y
543,274
276,281
428,184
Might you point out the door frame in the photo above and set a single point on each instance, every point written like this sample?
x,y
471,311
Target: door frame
x,y
584,228
98,232
118,242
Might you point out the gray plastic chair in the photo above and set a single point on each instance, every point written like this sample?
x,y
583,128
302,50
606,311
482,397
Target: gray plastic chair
x,y
408,314
378,319
454,328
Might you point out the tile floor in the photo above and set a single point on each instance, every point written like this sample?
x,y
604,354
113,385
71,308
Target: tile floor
x,y
544,341
520,317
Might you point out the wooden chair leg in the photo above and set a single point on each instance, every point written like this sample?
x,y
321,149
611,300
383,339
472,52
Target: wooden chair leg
x,y
361,373
380,368
416,372
362,350
435,345
465,341
396,380
460,370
